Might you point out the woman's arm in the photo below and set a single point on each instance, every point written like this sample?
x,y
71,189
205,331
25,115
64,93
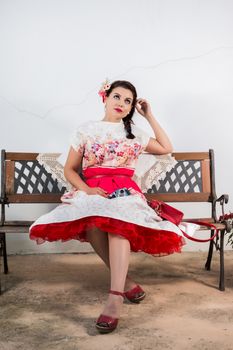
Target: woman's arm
x,y
161,144
72,166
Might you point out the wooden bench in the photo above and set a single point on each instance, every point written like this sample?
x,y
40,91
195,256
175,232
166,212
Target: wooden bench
x,y
24,180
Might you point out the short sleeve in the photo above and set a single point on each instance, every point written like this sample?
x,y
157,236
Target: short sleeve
x,y
142,135
78,140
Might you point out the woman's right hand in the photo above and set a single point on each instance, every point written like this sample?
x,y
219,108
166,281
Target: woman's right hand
x,y
97,190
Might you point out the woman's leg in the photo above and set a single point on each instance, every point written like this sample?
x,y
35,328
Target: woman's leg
x,y
119,253
100,243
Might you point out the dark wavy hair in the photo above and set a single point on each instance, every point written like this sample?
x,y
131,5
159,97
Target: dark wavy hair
x,y
128,119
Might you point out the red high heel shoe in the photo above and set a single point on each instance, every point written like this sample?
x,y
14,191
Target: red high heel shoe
x,y
107,324
135,295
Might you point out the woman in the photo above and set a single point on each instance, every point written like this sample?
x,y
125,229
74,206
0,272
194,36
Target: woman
x,y
108,209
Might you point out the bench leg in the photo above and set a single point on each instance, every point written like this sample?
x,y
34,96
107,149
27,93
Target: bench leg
x,y
3,241
210,254
221,250
1,254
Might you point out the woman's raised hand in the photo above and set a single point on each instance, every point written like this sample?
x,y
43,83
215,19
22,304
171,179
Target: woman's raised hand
x,y
143,107
97,190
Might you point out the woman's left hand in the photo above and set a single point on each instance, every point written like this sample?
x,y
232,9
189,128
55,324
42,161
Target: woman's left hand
x,y
143,107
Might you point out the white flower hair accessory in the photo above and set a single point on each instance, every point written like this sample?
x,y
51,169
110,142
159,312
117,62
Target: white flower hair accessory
x,y
104,87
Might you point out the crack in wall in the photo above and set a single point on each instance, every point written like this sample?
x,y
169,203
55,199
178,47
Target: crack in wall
x,y
174,60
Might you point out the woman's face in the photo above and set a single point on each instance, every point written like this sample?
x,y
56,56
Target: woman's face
x,y
119,102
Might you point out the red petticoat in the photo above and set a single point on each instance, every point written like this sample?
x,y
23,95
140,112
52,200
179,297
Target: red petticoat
x,y
151,241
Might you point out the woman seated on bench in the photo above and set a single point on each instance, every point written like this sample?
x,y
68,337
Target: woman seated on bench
x,y
108,209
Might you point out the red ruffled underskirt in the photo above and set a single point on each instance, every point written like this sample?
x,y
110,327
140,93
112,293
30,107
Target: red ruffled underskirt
x,y
151,241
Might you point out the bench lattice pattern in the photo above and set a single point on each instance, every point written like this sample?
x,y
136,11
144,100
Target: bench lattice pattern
x,y
32,178
185,177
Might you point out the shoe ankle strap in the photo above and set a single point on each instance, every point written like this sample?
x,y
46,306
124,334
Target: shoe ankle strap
x,y
115,292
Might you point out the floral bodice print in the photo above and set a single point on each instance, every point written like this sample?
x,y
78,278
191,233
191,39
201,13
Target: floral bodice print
x,y
104,144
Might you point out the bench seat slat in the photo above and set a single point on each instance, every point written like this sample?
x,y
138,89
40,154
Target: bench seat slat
x,y
35,198
180,197
17,223
14,229
18,227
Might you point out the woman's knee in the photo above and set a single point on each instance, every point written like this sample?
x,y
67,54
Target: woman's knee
x,y
96,232
117,237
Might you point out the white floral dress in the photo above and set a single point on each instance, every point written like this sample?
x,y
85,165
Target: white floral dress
x,y
109,160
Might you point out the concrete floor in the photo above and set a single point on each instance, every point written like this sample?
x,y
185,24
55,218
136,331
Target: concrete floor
x,y
51,301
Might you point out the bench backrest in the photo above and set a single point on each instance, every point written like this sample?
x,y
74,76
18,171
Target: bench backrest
x,y
24,180
191,180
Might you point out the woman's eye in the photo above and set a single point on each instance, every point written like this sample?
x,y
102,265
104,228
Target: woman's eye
x,y
116,96
128,102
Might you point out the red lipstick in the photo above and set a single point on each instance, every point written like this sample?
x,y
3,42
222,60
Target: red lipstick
x,y
118,110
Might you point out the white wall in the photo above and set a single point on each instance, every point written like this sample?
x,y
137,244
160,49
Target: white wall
x,y
55,54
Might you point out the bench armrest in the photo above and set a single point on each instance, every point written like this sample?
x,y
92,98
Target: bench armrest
x,y
223,199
